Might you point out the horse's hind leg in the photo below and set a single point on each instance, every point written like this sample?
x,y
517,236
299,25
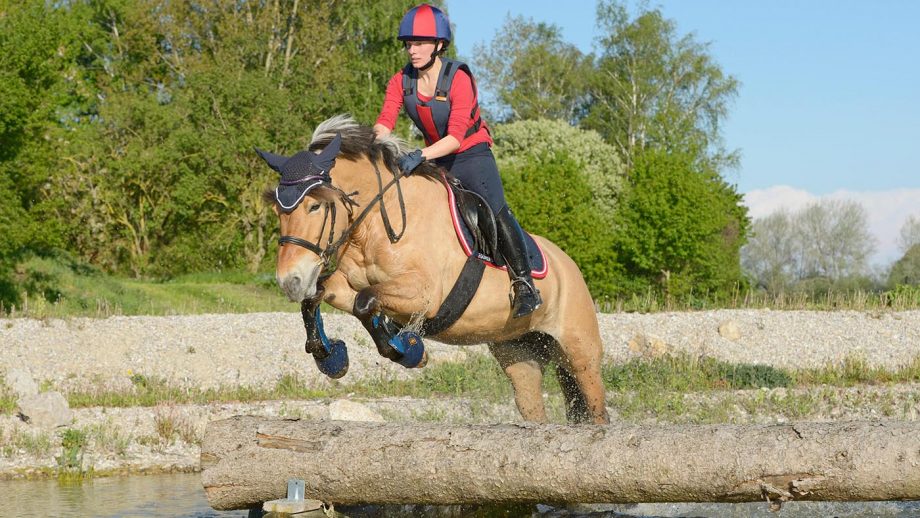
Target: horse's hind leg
x,y
523,361
367,309
576,407
579,361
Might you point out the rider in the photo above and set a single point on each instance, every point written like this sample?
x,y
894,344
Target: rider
x,y
439,95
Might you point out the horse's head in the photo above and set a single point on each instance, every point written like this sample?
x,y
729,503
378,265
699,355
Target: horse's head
x,y
314,215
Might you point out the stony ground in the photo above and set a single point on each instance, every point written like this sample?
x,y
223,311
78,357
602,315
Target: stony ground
x,y
258,349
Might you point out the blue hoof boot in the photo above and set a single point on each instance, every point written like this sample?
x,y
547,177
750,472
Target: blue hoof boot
x,y
335,364
412,348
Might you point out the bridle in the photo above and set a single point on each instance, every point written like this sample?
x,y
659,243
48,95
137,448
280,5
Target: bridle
x,y
332,244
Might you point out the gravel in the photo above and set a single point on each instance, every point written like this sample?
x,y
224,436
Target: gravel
x,y
257,349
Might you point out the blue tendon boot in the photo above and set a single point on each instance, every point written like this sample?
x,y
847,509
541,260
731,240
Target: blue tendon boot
x,y
408,345
333,359
412,348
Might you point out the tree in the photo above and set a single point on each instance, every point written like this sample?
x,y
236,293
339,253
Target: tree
x,y
770,255
833,239
655,89
41,102
821,247
681,227
906,270
163,179
520,143
910,233
533,73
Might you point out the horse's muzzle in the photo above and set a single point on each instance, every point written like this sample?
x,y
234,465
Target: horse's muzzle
x,y
299,284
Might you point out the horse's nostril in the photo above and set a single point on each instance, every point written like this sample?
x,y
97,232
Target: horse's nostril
x,y
291,284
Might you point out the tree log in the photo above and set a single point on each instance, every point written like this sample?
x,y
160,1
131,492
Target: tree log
x,y
247,460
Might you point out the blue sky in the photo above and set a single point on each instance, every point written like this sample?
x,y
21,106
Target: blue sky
x,y
829,102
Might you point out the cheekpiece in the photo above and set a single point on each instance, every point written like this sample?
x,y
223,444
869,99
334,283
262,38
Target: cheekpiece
x,y
302,172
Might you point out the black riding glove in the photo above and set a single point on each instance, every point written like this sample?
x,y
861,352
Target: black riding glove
x,y
408,162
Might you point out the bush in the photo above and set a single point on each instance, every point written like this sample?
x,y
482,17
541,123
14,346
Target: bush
x,y
565,212
519,144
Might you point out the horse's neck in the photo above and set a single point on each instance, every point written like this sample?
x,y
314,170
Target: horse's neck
x,y
417,194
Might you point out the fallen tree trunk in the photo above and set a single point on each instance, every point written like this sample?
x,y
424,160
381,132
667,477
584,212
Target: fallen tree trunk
x,y
247,460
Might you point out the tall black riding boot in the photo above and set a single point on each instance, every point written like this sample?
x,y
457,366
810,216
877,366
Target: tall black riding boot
x,y
526,297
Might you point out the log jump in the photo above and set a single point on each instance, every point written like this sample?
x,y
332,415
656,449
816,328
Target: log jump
x,y
248,460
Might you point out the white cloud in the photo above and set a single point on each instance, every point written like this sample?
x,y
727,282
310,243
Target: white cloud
x,y
886,211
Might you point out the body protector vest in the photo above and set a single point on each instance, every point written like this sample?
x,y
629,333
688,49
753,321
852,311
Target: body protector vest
x,y
431,117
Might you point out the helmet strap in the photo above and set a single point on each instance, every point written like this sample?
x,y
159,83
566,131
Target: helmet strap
x,y
438,49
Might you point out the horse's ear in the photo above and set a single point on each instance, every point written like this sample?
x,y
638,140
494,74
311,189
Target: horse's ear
x,y
326,159
274,161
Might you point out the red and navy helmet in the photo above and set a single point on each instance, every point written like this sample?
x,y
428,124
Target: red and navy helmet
x,y
424,22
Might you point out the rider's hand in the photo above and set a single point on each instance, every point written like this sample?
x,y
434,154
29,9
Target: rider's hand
x,y
408,162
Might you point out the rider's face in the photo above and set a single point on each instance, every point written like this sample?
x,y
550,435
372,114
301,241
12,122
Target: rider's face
x,y
419,51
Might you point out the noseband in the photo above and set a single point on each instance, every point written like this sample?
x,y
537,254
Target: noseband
x,y
326,253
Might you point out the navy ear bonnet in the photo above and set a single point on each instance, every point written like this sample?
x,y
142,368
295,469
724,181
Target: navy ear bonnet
x,y
301,172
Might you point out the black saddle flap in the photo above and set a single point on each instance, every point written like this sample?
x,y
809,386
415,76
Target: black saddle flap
x,y
479,220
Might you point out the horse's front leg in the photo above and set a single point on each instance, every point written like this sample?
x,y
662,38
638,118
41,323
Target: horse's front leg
x,y
331,355
398,296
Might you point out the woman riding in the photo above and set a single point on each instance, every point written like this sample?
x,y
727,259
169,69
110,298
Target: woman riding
x,y
439,95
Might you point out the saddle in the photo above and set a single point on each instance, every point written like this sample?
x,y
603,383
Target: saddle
x,y
474,223
479,219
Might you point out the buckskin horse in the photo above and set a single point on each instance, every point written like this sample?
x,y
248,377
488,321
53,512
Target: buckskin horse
x,y
384,247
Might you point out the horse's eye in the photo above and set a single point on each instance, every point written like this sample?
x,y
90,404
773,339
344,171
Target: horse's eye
x,y
315,207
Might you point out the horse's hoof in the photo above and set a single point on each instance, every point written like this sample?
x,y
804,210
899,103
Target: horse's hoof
x,y
335,364
412,348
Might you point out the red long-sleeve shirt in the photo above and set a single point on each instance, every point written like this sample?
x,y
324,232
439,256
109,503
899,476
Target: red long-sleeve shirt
x,y
461,103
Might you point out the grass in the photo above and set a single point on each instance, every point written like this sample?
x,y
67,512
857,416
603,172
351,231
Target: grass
x,y
676,388
681,388
170,425
7,398
901,298
54,289
35,443
478,377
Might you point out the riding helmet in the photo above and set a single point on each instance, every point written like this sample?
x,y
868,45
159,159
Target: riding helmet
x,y
424,22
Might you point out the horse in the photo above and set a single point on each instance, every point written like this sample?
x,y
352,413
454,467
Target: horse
x,y
394,271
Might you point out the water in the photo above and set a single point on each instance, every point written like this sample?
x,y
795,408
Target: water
x,y
183,496
143,496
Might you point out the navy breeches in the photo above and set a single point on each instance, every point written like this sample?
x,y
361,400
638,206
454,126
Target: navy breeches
x,y
477,171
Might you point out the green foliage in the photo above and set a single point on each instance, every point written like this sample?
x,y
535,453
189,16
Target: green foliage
x,y
684,373
59,286
906,270
479,376
654,89
40,94
74,443
565,214
520,143
681,228
533,72
903,296
127,127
